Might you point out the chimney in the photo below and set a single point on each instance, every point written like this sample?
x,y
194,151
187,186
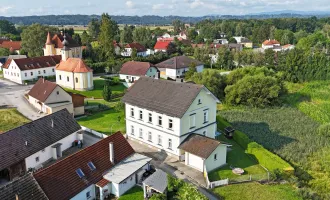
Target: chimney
x,y
17,197
112,155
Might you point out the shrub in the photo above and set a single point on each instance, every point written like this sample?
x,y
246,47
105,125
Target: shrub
x,y
158,197
324,130
106,91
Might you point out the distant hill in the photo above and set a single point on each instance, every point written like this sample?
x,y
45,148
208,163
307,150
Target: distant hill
x,y
153,19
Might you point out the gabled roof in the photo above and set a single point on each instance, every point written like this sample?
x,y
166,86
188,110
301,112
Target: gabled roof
x,y
60,180
11,45
157,181
42,89
162,45
25,187
35,63
199,145
57,40
270,42
23,141
134,45
76,65
135,68
178,62
162,96
245,40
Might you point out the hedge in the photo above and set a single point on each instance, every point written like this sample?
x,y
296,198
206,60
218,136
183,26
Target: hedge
x,y
264,157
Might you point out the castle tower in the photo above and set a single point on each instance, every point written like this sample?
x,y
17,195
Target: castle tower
x,y
49,49
66,51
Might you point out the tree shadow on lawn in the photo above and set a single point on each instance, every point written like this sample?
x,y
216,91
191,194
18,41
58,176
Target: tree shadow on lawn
x,y
294,99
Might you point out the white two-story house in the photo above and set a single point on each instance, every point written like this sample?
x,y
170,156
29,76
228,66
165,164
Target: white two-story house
x,y
162,114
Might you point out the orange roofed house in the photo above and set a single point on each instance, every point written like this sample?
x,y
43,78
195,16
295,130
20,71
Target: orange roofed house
x,y
72,72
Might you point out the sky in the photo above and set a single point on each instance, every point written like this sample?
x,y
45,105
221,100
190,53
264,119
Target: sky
x,y
156,7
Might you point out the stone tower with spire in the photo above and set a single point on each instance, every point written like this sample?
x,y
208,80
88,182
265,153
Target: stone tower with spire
x,y
66,51
49,49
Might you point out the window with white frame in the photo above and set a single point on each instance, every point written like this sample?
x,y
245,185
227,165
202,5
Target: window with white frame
x,y
141,114
25,74
88,195
76,80
44,71
160,120
205,132
31,73
215,156
67,78
160,140
170,123
150,117
170,144
149,137
37,159
141,133
53,70
192,120
132,112
38,72
199,101
132,130
206,116
60,77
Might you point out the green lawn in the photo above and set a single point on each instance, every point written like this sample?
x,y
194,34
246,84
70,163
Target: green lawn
x,y
135,193
11,118
236,158
254,191
102,121
98,88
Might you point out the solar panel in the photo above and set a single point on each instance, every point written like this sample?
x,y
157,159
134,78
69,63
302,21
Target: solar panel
x,y
91,166
80,173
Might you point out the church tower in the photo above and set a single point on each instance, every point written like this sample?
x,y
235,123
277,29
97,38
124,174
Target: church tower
x,y
66,51
49,49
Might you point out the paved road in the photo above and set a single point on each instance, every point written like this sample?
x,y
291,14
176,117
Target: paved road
x,y
12,94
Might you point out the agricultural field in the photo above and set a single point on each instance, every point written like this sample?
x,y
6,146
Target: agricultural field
x,y
11,118
311,98
254,190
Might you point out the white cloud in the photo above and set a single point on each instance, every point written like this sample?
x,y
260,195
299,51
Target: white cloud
x,y
196,4
4,9
130,4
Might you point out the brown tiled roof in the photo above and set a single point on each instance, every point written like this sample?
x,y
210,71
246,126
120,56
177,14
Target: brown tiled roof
x,y
73,65
103,182
7,63
162,45
60,180
139,47
11,45
270,42
3,39
199,145
58,39
23,141
42,89
178,62
36,62
135,68
26,187
162,96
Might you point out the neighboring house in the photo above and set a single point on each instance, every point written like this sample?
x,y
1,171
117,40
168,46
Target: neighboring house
x,y
183,35
161,46
23,188
166,35
12,46
220,41
3,59
132,71
140,50
234,47
73,73
109,166
288,47
270,44
54,45
156,183
28,146
117,48
203,153
244,41
29,69
177,66
162,113
48,97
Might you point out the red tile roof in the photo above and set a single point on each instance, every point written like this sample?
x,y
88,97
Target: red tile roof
x,y
42,89
58,39
35,63
135,68
60,180
162,45
270,42
11,45
76,65
139,47
103,182
3,39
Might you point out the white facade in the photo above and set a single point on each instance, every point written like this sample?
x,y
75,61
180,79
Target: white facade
x,y
152,73
169,134
36,160
127,52
75,81
176,73
86,194
14,73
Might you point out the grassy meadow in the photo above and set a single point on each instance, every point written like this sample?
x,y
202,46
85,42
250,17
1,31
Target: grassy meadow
x,y
11,118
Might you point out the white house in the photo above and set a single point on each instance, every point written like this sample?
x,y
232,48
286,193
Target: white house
x,y
140,50
131,71
110,166
29,69
30,145
162,46
177,66
270,44
162,114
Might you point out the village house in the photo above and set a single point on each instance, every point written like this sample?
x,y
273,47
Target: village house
x,y
162,46
29,69
288,47
3,59
72,72
270,44
12,46
110,166
132,71
49,97
23,188
166,115
177,66
140,50
244,41
28,147
54,45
